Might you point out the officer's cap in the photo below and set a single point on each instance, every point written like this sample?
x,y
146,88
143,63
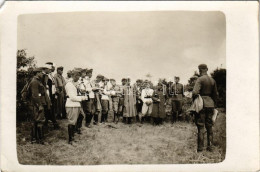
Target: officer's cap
x,y
139,81
123,79
202,66
112,80
37,70
100,76
177,77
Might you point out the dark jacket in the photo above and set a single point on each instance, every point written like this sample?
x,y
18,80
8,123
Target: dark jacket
x,y
37,92
207,88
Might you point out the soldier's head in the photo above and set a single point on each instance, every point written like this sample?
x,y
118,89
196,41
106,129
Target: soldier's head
x,y
46,69
203,69
176,79
38,72
69,74
128,81
76,75
139,82
60,70
89,72
52,66
99,78
147,84
113,82
83,73
123,81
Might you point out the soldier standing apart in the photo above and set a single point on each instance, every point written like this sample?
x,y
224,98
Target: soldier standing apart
x,y
206,87
73,106
176,95
37,101
147,95
116,92
61,93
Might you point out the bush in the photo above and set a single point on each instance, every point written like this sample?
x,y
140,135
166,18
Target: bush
x,y
220,77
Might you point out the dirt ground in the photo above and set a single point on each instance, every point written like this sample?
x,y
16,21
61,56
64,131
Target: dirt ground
x,y
122,144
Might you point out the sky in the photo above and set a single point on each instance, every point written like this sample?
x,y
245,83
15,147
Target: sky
x,y
121,44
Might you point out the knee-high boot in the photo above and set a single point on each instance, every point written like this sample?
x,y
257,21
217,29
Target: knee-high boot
x,y
34,133
209,139
200,139
40,134
70,131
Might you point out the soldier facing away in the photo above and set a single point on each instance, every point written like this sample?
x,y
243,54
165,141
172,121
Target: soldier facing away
x,y
206,87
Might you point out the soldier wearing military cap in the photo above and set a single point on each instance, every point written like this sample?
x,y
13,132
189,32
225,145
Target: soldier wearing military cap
x,y
206,87
37,101
175,94
60,92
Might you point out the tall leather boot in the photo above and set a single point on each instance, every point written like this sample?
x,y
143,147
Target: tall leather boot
x,y
124,120
79,123
40,134
209,139
70,133
200,139
96,118
34,133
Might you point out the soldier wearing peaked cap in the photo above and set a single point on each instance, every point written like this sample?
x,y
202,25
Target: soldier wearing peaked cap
x,y
37,101
206,87
175,94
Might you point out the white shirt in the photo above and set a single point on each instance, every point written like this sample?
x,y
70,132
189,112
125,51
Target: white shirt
x,y
53,88
147,92
73,100
106,93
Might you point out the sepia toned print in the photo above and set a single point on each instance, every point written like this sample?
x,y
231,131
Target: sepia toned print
x,y
96,88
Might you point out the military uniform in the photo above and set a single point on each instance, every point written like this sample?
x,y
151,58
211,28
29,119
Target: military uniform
x,y
175,95
61,93
37,94
116,93
206,87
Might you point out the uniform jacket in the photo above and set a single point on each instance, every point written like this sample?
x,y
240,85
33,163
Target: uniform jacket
x,y
37,92
147,93
207,88
73,99
60,83
176,91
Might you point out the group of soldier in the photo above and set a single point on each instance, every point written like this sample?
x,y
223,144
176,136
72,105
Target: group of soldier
x,y
79,97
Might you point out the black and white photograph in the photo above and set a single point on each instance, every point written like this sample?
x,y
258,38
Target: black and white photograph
x,y
129,86
121,88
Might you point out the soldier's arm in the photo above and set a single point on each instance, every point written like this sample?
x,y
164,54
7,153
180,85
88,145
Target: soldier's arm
x,y
197,87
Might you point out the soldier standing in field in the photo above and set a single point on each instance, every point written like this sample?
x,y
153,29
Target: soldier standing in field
x,y
206,87
139,102
73,106
115,93
37,101
176,96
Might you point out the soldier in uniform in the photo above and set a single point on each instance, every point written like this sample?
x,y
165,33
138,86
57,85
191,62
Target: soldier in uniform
x,y
105,100
98,84
121,100
51,89
47,106
206,87
176,96
73,106
37,101
139,102
115,93
61,93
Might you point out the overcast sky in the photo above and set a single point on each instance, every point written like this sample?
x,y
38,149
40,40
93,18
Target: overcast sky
x,y
120,44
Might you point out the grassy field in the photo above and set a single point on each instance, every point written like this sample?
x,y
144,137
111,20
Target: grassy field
x,y
122,144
